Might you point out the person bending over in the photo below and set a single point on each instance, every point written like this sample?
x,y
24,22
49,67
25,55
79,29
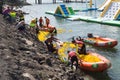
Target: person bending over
x,y
73,58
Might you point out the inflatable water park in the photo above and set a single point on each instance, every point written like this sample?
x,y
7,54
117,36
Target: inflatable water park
x,y
66,12
109,13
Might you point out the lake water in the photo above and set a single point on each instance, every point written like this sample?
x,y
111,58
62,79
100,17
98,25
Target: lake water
x,y
76,28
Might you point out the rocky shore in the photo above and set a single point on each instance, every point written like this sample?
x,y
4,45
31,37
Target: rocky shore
x,y
23,57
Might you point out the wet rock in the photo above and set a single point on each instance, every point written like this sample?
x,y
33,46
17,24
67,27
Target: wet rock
x,y
23,48
81,78
58,69
51,75
64,68
11,47
7,57
46,67
28,52
56,78
15,67
2,46
26,41
48,62
39,59
29,76
4,52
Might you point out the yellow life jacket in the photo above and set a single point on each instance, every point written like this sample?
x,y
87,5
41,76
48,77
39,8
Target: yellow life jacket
x,y
22,17
33,23
13,14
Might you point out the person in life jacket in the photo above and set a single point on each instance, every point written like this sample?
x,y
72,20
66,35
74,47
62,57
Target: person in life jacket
x,y
20,16
73,58
52,29
47,21
12,16
82,50
41,22
6,12
33,24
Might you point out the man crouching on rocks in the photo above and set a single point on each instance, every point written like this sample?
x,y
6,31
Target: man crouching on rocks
x,y
50,46
21,26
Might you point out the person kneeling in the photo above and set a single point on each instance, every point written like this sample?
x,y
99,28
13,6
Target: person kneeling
x,y
21,26
82,50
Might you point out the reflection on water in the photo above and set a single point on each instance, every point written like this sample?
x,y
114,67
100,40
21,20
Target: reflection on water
x,y
99,75
81,28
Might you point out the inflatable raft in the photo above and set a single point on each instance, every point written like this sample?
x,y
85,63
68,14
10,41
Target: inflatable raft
x,y
94,62
90,62
50,29
101,42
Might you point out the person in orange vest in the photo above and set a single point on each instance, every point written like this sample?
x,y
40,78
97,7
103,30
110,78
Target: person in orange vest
x,y
73,58
47,21
41,22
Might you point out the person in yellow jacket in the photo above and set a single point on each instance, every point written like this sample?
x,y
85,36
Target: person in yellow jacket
x,y
33,24
21,17
12,16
